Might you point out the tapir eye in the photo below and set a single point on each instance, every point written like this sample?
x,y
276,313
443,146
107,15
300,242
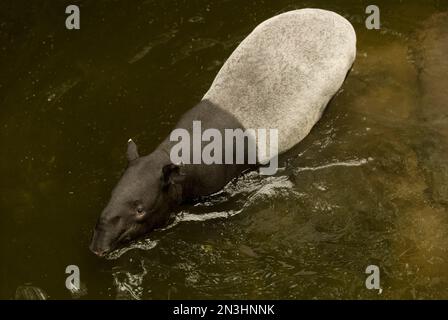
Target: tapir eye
x,y
140,210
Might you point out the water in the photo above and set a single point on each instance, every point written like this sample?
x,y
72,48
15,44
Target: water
x,y
369,185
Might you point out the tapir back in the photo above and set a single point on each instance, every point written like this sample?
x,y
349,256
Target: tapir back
x,y
285,72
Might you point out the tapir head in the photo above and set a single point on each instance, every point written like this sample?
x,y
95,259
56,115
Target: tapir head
x,y
140,202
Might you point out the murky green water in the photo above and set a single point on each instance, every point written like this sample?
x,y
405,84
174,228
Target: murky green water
x,y
369,185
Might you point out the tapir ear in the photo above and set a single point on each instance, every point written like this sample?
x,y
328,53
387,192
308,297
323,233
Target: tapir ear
x,y
172,174
132,152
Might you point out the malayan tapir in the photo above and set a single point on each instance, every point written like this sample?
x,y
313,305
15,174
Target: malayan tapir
x,y
282,76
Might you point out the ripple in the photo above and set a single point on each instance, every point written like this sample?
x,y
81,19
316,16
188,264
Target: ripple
x,y
249,190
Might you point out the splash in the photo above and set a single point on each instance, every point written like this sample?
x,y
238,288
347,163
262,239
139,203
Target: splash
x,y
243,193
349,163
129,285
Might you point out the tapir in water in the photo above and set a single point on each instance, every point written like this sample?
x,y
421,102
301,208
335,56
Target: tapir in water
x,y
281,76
